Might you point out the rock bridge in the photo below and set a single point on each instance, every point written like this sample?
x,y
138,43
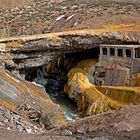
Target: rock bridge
x,y
25,52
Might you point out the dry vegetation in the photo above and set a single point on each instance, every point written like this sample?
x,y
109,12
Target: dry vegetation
x,y
42,16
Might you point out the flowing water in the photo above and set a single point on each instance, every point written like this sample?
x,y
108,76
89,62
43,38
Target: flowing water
x,y
55,90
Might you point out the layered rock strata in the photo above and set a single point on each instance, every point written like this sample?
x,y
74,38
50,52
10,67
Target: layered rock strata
x,y
16,94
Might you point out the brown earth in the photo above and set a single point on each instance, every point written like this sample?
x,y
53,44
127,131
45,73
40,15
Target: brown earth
x,y
121,124
5,135
53,16
43,16
11,3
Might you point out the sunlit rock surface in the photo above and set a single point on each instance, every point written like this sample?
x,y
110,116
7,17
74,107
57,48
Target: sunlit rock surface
x,y
16,93
135,80
89,67
126,95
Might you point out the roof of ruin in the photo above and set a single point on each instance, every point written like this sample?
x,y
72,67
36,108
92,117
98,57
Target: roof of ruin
x,y
120,46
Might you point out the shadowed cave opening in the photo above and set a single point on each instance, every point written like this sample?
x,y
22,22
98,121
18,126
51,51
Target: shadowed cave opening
x,y
52,77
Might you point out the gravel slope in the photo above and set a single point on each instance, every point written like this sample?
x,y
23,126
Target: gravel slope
x,y
57,15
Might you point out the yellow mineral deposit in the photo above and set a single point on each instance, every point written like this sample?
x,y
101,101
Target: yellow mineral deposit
x,y
135,80
93,99
126,95
88,65
89,99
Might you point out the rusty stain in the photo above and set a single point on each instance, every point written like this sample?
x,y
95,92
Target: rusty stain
x,y
12,81
8,104
127,95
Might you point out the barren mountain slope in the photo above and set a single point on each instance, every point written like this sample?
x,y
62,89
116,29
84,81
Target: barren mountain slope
x,y
41,16
12,3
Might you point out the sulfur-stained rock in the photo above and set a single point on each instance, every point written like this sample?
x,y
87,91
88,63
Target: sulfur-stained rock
x,y
135,80
88,65
127,95
93,99
89,100
16,94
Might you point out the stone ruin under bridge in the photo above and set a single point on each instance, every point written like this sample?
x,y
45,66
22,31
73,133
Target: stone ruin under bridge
x,y
117,64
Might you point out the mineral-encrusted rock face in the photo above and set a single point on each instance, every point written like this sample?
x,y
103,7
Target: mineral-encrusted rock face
x,y
89,100
93,99
16,94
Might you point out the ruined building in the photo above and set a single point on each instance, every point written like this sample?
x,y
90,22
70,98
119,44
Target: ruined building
x,y
116,64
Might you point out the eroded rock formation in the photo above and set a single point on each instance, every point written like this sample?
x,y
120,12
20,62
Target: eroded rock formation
x,y
89,100
16,94
93,99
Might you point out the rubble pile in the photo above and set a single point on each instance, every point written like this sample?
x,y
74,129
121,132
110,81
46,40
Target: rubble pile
x,y
15,121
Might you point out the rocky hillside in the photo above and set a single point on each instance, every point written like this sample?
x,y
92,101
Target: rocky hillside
x,y
118,125
57,15
125,126
11,3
